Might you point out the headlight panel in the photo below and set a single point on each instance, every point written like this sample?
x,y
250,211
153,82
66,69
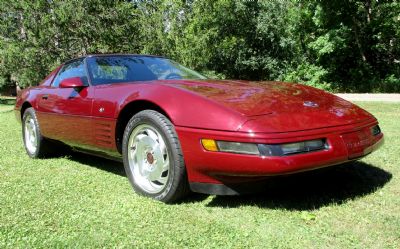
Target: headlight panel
x,y
265,149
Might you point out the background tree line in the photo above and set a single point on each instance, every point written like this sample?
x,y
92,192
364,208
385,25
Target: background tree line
x,y
341,45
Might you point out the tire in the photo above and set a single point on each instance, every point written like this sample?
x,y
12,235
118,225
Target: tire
x,y
36,145
153,158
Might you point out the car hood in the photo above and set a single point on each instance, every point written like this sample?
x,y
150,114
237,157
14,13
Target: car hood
x,y
277,106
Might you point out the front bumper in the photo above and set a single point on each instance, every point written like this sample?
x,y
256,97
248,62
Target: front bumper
x,y
213,172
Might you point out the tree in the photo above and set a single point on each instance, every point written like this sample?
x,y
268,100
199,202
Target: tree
x,y
350,45
354,45
38,35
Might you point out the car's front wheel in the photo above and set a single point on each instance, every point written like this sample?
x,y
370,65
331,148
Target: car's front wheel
x,y
153,157
36,145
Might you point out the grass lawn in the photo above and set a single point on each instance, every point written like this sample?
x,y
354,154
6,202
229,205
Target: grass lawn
x,y
84,201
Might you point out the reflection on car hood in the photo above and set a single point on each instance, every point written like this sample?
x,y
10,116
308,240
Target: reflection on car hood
x,y
297,105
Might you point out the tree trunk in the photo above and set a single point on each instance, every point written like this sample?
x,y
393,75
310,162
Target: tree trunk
x,y
356,36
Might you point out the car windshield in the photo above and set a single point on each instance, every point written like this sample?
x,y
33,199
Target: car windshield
x,y
116,69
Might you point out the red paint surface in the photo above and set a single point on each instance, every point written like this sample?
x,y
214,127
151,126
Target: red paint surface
x,y
259,112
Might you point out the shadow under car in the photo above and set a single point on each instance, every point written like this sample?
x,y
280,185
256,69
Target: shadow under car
x,y
301,191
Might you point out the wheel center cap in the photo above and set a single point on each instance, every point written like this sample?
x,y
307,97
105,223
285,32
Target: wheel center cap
x,y
150,158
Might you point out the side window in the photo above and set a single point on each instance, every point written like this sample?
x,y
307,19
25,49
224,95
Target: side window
x,y
74,68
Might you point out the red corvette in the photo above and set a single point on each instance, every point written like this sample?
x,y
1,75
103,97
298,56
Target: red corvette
x,y
178,131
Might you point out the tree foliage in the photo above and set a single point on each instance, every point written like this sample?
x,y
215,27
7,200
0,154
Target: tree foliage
x,y
350,45
36,36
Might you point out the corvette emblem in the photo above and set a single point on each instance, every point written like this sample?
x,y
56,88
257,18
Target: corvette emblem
x,y
310,104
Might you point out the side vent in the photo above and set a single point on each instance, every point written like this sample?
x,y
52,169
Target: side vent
x,y
103,134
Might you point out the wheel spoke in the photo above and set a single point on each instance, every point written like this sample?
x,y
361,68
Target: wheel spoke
x,y
163,180
165,166
163,147
152,134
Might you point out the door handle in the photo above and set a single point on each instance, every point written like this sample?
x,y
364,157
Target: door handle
x,y
45,96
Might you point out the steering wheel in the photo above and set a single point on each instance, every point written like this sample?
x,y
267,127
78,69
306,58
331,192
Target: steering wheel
x,y
173,76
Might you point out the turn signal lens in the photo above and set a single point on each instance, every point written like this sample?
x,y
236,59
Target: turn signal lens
x,y
209,144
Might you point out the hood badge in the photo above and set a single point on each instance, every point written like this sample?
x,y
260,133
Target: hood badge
x,y
310,104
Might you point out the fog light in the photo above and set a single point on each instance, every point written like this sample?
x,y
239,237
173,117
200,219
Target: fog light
x,y
314,144
236,147
376,130
292,148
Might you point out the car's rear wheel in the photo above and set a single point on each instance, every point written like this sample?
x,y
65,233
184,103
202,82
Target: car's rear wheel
x,y
153,157
36,145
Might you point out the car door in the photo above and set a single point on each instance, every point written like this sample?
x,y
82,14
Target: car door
x,y
65,113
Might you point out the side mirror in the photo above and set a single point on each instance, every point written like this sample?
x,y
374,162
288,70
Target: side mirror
x,y
73,82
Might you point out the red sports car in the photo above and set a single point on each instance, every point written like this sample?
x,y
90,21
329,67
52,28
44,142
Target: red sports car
x,y
177,131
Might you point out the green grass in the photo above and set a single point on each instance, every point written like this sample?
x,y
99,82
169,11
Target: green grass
x,y
6,103
84,201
